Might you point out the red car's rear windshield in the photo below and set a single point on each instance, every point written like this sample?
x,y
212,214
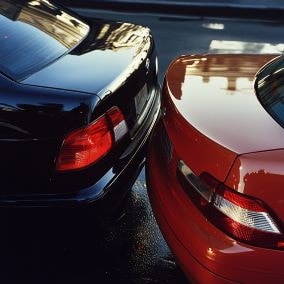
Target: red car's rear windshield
x,y
270,89
33,34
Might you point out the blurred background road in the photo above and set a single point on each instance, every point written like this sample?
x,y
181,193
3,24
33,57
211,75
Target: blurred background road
x,y
57,250
258,9
178,34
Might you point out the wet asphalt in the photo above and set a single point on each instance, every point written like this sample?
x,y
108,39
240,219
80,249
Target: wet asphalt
x,y
69,249
55,247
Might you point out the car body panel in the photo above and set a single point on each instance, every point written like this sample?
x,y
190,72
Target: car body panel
x,y
189,143
23,105
260,175
115,65
204,252
213,122
33,123
103,62
104,189
215,94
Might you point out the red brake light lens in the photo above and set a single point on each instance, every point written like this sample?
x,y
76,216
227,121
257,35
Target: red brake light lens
x,y
87,145
245,218
241,216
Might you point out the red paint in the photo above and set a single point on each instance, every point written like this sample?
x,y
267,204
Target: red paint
x,y
260,175
213,136
215,94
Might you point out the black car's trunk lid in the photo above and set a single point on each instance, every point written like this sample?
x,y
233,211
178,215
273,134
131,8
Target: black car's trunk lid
x,y
116,61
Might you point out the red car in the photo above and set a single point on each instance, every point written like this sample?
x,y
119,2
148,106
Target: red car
x,y
215,169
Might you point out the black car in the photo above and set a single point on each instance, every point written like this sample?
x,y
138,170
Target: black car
x,y
78,100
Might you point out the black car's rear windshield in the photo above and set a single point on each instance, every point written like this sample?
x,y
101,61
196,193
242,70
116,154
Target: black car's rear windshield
x,y
33,34
270,89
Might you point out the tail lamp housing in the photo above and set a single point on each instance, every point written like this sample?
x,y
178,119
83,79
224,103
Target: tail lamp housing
x,y
87,145
240,216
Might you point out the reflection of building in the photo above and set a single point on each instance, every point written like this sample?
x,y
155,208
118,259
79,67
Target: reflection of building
x,y
230,67
114,36
122,36
68,30
51,20
232,72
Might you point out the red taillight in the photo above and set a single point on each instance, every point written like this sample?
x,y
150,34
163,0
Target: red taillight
x,y
246,218
87,145
241,216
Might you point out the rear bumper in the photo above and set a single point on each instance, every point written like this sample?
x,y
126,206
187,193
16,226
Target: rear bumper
x,y
109,191
205,254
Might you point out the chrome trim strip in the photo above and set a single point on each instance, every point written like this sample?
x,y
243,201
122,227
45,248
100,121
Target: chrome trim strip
x,y
195,181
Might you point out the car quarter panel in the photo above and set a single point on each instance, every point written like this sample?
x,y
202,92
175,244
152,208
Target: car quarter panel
x,y
197,150
56,112
33,123
260,175
199,246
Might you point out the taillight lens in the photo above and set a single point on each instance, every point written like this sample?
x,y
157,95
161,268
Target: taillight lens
x,y
243,217
87,145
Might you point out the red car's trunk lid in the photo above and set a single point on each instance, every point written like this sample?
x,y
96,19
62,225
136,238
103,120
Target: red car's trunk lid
x,y
212,113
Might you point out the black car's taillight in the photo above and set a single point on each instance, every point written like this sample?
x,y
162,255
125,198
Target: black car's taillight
x,y
87,145
240,216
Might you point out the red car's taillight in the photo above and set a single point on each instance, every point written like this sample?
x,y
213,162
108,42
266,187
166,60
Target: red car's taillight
x,y
243,217
87,145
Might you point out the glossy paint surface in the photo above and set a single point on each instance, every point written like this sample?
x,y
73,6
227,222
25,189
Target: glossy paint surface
x,y
215,94
33,122
260,175
212,120
205,253
195,148
38,29
104,61
35,117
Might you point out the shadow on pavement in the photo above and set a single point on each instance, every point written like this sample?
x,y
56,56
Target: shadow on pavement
x,y
60,248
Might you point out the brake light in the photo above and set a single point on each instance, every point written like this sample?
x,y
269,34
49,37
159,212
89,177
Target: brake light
x,y
241,216
87,145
